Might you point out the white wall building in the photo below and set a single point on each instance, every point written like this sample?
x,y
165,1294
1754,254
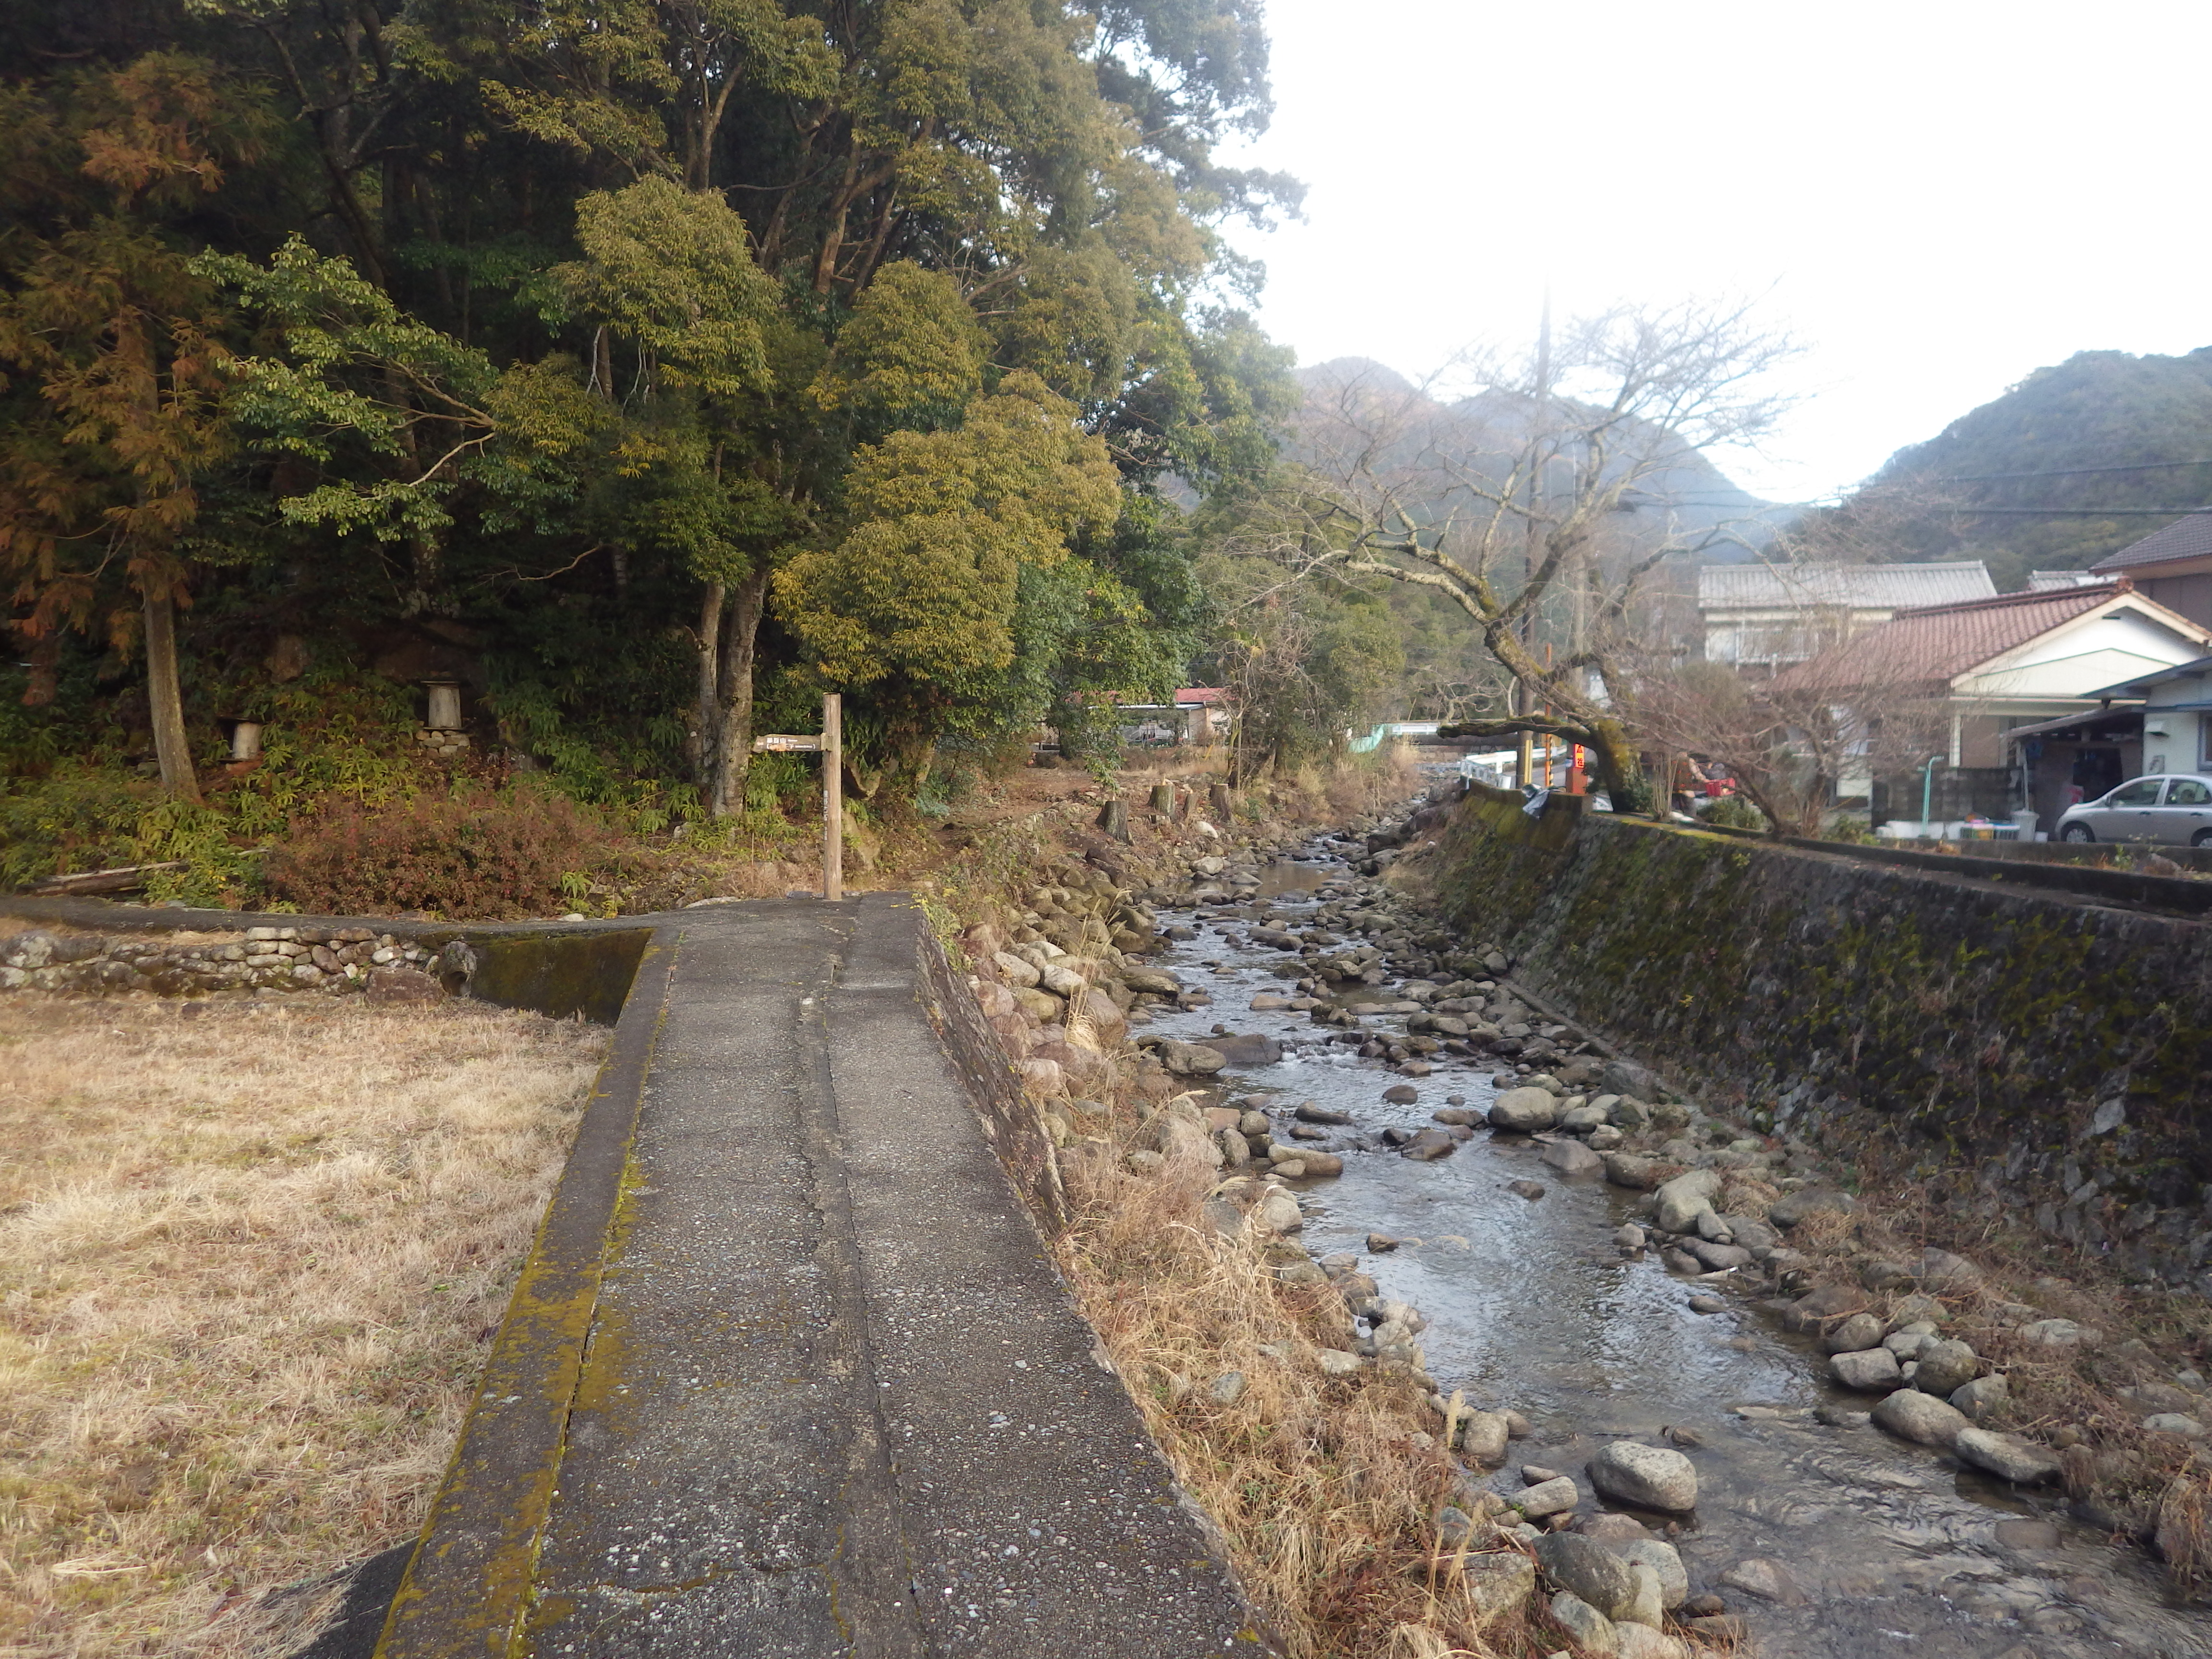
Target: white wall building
x,y
1761,618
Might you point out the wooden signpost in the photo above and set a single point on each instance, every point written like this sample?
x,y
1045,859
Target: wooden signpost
x,y
830,746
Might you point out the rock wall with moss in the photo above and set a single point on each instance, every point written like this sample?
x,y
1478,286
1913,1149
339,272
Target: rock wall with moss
x,y
2046,1056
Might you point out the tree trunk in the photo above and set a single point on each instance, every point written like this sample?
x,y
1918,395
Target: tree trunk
x,y
706,711
1621,769
740,638
170,746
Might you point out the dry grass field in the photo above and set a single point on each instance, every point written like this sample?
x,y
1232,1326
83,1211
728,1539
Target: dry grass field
x,y
249,1259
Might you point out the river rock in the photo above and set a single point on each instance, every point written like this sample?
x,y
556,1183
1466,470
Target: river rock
x,y
1483,1436
1277,1211
1716,1257
1312,1112
1178,1138
1769,1580
1793,1207
1309,1163
1189,1058
1648,1609
1941,1273
1429,1146
1650,1476
1816,1308
1571,1157
1013,970
1629,1237
1633,1170
1588,1570
1500,1582
1531,1190
1945,1368
1982,1397
1593,1631
2187,1427
1524,1110
1548,1498
1870,1370
2059,1334
1911,1415
1244,1050
1682,1199
1860,1330
1620,1078
1634,1641
1156,981
2006,1455
1664,1560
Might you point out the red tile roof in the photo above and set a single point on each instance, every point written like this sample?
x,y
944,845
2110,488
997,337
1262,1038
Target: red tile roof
x,y
1930,646
2185,538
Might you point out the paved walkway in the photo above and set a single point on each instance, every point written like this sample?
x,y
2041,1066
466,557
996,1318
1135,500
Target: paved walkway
x,y
789,1372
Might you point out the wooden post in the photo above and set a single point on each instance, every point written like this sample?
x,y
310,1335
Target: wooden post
x,y
833,796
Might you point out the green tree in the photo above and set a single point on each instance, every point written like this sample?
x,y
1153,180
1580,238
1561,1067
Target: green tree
x,y
918,599
115,345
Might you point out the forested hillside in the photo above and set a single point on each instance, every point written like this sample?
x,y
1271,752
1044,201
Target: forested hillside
x,y
2147,419
648,367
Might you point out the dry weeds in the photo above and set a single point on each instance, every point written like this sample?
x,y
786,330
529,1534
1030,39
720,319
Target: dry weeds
x,y
249,1261
1323,1489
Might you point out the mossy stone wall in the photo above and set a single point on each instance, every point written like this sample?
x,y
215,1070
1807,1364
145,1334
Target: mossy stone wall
x,y
2040,1041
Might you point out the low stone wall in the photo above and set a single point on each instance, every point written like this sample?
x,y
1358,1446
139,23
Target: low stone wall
x,y
326,959
89,947
2036,1054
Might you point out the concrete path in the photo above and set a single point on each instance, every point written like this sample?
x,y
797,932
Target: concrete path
x,y
789,1372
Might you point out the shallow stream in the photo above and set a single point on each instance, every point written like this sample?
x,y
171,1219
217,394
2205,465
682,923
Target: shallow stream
x,y
1896,1549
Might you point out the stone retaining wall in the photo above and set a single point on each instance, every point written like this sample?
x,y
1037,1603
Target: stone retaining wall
x,y
326,959
2036,1055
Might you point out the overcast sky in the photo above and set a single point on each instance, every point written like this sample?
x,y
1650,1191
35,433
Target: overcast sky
x,y
1936,197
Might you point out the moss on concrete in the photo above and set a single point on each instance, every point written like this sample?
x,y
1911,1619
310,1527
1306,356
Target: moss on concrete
x,y
1978,1025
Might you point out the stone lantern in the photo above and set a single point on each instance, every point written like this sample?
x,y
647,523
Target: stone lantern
x,y
441,734
246,740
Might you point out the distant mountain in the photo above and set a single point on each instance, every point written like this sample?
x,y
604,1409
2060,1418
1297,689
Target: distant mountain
x,y
2096,410
1690,497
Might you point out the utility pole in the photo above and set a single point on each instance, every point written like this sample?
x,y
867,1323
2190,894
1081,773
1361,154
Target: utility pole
x,y
1524,697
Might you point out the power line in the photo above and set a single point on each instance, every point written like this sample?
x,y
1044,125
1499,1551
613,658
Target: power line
x,y
2066,471
2079,512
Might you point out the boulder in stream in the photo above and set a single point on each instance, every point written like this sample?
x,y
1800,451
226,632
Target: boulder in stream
x,y
2006,1455
1571,1157
1524,1110
1684,1198
1911,1415
1650,1476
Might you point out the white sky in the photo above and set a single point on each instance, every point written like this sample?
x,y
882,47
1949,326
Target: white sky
x,y
1936,198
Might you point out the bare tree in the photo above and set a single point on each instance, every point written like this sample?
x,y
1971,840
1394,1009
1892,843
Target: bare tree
x,y
1789,742
1561,483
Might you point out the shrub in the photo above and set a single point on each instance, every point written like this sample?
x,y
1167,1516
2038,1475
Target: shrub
x,y
476,852
1735,812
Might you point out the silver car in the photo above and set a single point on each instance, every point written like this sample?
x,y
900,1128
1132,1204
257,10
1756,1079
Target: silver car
x,y
2174,812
